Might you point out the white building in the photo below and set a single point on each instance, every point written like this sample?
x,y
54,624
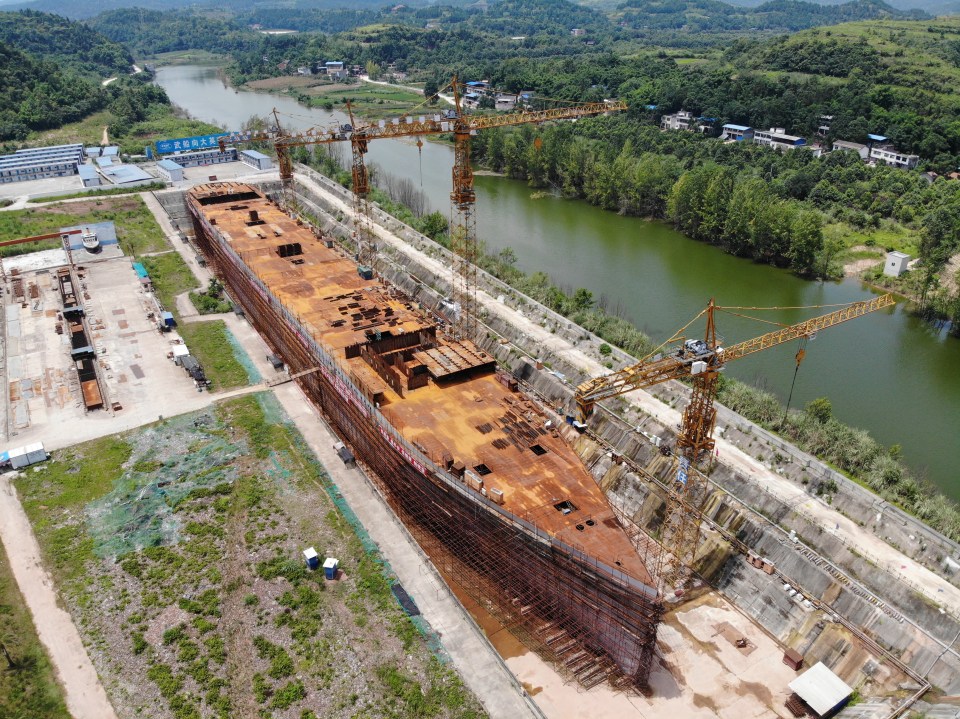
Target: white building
x,y
170,170
777,138
856,147
335,69
896,264
682,120
890,156
255,159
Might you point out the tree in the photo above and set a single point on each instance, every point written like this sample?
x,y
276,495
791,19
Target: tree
x,y
806,242
434,225
582,299
430,89
820,410
373,70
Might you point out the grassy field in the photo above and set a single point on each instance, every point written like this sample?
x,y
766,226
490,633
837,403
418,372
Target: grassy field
x,y
208,341
137,230
28,687
373,102
189,579
89,131
187,57
889,236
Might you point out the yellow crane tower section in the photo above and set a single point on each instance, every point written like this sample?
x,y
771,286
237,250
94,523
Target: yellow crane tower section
x,y
701,361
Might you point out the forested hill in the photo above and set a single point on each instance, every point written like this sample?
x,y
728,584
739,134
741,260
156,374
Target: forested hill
x,y
36,94
70,45
779,15
83,9
150,31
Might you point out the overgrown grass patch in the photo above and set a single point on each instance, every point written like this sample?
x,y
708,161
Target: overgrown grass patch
x,y
169,612
170,276
137,230
209,343
28,686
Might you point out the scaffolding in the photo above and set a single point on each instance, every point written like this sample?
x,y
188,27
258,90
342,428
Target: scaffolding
x,y
591,618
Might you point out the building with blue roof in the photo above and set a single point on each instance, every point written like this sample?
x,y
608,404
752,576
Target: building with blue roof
x,y
36,163
126,175
738,133
88,175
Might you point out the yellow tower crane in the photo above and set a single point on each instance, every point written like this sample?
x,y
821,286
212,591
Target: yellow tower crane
x,y
701,361
453,120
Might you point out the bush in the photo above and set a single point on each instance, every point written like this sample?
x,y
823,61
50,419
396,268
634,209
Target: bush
x,y
288,694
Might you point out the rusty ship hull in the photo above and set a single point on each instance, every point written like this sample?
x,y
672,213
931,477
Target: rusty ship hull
x,y
485,482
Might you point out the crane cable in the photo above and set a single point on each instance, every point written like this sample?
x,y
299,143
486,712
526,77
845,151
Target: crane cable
x,y
801,353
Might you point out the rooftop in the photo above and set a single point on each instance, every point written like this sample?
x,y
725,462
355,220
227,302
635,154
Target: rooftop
x,y
821,689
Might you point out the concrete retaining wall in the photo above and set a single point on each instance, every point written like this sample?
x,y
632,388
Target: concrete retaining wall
x,y
924,647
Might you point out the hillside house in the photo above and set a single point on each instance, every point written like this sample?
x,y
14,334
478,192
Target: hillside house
x,y
736,133
682,120
856,147
778,139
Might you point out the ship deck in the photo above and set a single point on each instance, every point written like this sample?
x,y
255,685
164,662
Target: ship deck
x,y
459,414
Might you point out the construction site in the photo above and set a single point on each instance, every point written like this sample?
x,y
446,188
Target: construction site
x,y
614,564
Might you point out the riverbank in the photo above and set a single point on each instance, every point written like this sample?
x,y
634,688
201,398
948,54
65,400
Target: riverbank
x,y
655,279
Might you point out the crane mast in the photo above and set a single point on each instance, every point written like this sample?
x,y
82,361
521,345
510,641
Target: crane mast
x,y
463,232
701,361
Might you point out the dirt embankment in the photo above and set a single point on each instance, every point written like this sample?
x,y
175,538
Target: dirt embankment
x,y
855,267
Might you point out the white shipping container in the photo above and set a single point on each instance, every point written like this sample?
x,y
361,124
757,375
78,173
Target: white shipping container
x,y
18,458
35,453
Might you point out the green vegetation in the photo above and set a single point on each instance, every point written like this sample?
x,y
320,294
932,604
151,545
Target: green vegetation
x,y
372,102
137,229
28,687
211,301
71,45
210,343
170,276
247,497
51,73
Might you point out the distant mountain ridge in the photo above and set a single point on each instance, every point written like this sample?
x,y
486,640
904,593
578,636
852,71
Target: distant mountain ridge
x,y
776,15
931,7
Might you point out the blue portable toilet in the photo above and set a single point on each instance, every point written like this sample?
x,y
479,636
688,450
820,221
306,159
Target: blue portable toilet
x,y
311,558
330,568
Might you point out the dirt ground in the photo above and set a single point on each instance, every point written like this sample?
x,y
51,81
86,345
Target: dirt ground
x,y
700,673
855,267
